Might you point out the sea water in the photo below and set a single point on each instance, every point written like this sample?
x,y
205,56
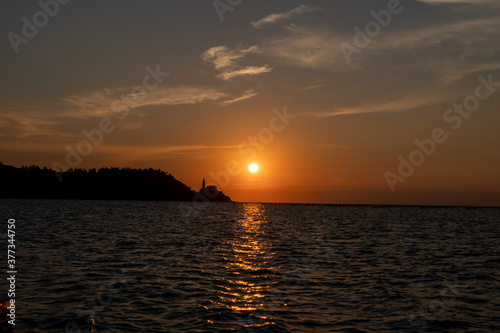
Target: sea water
x,y
121,266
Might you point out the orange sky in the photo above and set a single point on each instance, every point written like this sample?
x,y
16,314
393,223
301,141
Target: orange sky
x,y
188,93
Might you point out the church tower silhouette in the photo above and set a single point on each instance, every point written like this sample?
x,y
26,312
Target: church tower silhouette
x,y
203,184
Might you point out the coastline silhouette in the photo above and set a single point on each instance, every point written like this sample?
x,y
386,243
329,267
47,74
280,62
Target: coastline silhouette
x,y
106,183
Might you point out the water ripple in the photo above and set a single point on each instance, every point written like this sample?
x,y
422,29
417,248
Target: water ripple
x,y
139,267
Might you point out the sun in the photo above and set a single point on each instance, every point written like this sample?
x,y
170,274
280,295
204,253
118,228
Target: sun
x,y
253,168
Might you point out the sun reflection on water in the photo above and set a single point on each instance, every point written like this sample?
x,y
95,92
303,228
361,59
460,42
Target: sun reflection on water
x,y
250,266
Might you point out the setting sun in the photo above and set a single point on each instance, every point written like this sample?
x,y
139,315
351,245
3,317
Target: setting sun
x,y
253,168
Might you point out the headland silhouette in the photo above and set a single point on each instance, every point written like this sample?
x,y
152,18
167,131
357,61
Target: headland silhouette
x,y
106,183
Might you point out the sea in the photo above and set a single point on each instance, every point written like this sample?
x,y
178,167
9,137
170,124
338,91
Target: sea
x,y
134,266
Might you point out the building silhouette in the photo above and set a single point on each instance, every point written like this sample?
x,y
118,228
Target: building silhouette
x,y
212,193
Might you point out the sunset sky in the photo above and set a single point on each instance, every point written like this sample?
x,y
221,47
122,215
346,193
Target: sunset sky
x,y
288,85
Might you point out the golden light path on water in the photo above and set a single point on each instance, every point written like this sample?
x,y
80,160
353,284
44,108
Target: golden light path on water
x,y
250,265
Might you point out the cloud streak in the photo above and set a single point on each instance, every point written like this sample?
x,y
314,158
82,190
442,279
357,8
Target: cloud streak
x,y
402,104
129,152
26,125
224,59
249,70
248,94
318,49
100,103
284,16
222,56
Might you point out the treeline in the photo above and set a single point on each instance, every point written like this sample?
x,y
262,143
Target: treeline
x,y
96,184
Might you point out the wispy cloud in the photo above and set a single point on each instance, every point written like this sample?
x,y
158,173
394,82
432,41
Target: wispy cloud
x,y
149,151
182,95
402,104
305,48
465,31
456,48
224,59
314,86
222,56
100,103
125,154
112,151
280,17
450,49
249,70
248,94
26,125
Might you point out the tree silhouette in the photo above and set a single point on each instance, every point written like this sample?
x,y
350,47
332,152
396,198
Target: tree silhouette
x,y
102,184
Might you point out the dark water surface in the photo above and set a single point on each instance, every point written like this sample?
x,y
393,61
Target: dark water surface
x,y
143,267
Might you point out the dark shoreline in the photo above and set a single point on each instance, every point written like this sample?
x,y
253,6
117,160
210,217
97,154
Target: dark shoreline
x,y
34,182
